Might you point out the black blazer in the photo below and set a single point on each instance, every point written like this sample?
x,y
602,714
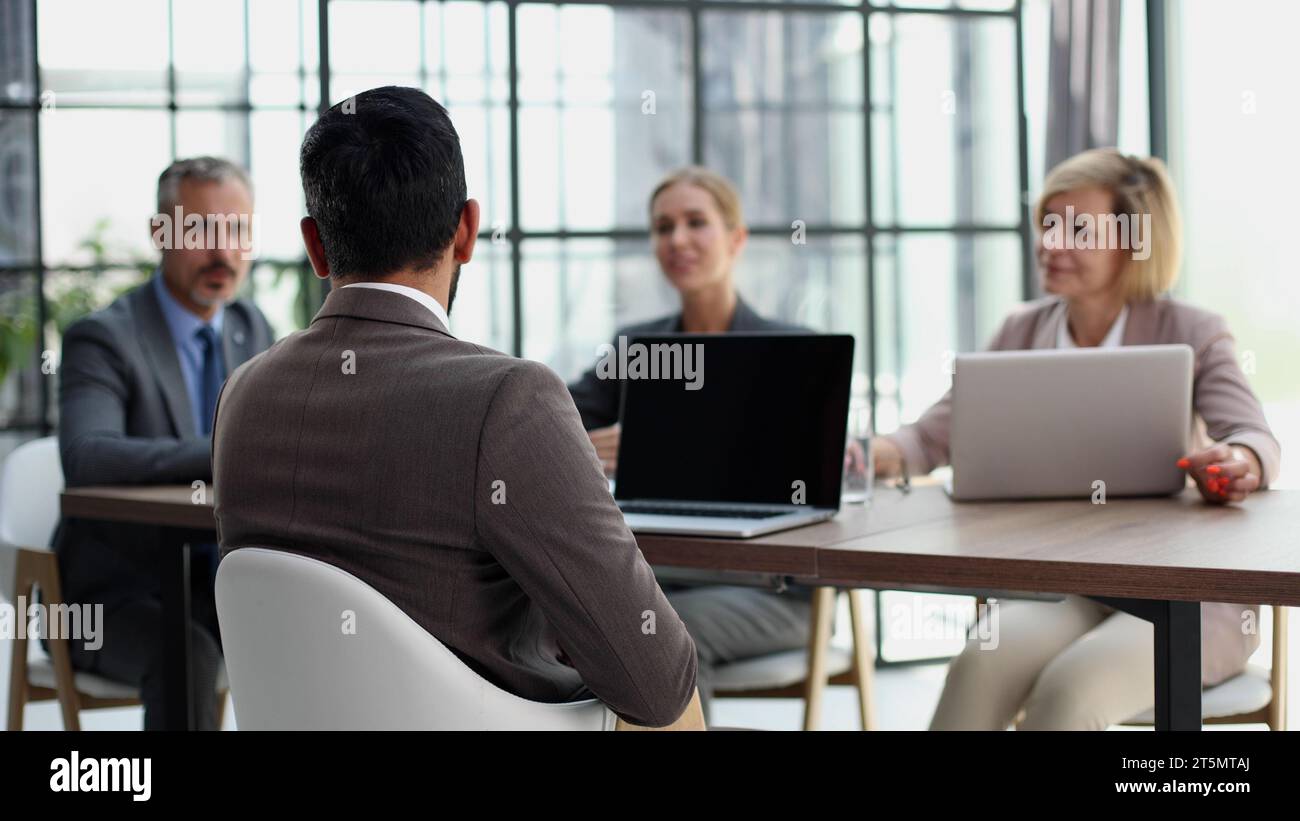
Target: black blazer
x,y
597,399
124,418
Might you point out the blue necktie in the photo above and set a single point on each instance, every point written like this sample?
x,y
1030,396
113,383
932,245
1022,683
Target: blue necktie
x,y
204,554
210,379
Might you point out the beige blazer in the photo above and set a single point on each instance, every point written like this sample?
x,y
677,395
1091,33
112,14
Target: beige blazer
x,y
1224,405
458,482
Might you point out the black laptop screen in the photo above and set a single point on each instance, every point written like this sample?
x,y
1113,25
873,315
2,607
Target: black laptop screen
x,y
766,421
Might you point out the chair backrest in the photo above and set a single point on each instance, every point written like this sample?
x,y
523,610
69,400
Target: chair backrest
x,y
30,484
311,647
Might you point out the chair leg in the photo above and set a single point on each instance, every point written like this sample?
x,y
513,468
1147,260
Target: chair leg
x,y
65,684
863,671
222,698
17,684
44,571
823,613
23,585
1277,707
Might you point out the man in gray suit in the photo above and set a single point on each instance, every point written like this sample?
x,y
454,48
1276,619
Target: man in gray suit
x,y
138,386
455,480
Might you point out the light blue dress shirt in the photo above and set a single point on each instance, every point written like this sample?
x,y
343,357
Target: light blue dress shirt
x,y
184,327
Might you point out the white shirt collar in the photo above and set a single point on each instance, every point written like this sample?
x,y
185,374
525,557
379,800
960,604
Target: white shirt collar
x,y
1114,337
418,295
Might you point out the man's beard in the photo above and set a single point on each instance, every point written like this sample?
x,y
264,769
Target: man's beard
x,y
451,296
206,301
200,298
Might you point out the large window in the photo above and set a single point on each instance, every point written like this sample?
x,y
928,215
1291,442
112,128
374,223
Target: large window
x,y
89,122
1233,123
878,148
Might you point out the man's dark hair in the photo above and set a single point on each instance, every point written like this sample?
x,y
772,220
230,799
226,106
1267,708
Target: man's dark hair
x,y
384,180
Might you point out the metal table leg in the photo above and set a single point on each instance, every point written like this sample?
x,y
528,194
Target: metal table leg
x,y
174,566
1177,659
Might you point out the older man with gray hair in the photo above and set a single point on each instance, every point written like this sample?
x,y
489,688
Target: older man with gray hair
x,y
138,385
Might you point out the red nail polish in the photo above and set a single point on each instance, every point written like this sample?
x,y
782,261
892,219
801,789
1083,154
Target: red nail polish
x,y
1184,463
1213,469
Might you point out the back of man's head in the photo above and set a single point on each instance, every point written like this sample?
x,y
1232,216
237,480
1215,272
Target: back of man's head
x,y
385,182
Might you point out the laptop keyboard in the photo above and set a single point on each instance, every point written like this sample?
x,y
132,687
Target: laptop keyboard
x,y
699,510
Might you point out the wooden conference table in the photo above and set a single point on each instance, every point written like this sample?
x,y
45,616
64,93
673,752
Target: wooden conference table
x,y
1154,558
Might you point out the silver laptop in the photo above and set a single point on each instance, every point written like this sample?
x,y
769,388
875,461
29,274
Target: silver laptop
x,y
1056,423
753,443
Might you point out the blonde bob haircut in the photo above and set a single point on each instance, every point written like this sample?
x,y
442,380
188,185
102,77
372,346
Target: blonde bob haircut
x,y
718,186
1139,185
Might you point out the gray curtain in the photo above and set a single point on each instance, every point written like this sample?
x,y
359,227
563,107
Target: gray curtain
x,y
1083,78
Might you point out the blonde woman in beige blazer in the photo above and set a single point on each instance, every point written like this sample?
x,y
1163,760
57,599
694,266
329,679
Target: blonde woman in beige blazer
x,y
1078,664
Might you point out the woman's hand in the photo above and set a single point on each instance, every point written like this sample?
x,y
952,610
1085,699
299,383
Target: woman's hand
x,y
887,456
855,461
1224,473
606,442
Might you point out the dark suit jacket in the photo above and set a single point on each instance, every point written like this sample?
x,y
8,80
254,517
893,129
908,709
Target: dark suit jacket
x,y
597,399
458,482
124,418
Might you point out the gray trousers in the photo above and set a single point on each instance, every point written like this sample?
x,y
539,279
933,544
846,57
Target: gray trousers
x,y
731,623
132,651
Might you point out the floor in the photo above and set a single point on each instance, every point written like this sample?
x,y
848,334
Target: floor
x,y
905,698
910,692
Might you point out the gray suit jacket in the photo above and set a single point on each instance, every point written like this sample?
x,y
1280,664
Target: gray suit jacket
x,y
125,418
1221,400
457,481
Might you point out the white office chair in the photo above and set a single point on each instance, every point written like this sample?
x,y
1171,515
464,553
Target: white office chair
x,y
30,484
311,647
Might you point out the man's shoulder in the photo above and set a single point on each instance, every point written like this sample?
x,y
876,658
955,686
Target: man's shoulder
x,y
434,358
494,371
261,358
114,319
245,312
492,376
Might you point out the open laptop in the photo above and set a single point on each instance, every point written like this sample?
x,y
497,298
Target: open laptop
x,y
1053,423
755,447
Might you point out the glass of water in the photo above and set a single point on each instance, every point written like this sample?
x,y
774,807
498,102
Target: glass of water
x,y
859,469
